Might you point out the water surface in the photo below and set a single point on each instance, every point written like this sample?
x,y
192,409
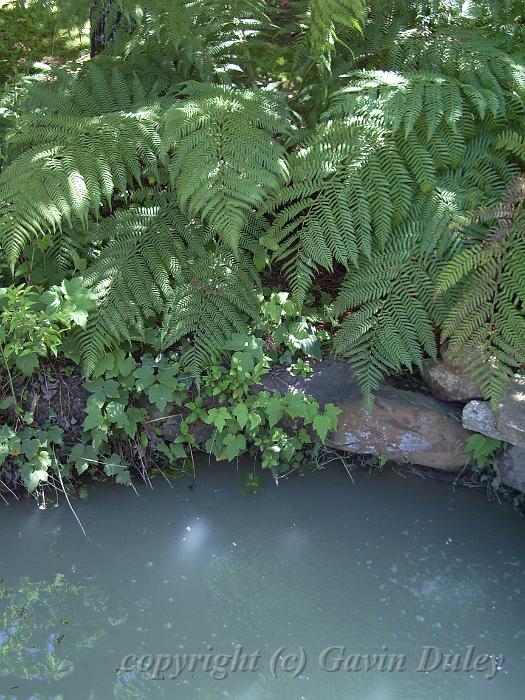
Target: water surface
x,y
387,566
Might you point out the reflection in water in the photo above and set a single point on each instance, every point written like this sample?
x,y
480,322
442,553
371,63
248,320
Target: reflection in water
x,y
45,625
316,562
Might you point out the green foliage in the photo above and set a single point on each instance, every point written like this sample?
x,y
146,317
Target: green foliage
x,y
213,144
28,455
392,325
32,324
285,431
222,154
486,316
482,449
281,429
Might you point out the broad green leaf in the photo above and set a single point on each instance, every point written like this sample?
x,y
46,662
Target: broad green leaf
x,y
241,413
161,395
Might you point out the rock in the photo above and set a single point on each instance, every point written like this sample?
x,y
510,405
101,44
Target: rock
x,y
404,426
480,418
167,423
507,423
458,362
510,417
511,467
448,383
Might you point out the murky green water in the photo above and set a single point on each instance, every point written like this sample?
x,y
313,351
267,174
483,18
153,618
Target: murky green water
x,y
386,566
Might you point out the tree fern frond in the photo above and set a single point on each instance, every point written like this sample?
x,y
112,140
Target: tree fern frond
x,y
349,185
82,163
487,319
215,301
222,155
325,17
144,256
389,310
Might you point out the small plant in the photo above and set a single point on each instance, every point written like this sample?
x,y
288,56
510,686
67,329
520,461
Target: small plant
x,y
285,431
482,450
28,455
32,324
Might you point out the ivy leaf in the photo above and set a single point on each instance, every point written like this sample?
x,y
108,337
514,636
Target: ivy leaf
x,y
124,366
116,412
243,362
124,477
113,466
161,395
30,448
297,406
235,445
134,415
144,377
82,455
326,421
274,409
168,376
217,417
27,363
241,413
93,419
33,477
105,365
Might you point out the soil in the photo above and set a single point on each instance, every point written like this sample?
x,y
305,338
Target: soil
x,y
59,398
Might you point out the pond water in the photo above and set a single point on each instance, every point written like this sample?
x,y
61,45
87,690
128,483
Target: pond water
x,y
318,589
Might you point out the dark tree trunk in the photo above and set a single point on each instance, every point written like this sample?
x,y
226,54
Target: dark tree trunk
x,y
104,18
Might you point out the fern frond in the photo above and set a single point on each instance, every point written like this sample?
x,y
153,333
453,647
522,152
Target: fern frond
x,y
156,264
325,17
143,257
487,319
388,303
203,37
82,163
349,185
216,300
222,155
426,99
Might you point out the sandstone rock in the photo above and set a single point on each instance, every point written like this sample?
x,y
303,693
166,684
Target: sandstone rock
x,y
448,383
511,468
404,426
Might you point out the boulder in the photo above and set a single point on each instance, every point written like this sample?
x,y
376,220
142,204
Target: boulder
x,y
511,467
479,417
510,416
404,426
507,423
448,383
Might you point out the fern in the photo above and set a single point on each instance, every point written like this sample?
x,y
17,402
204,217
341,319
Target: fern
x,y
222,156
486,319
203,37
215,136
349,184
217,300
324,17
75,162
157,264
390,312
